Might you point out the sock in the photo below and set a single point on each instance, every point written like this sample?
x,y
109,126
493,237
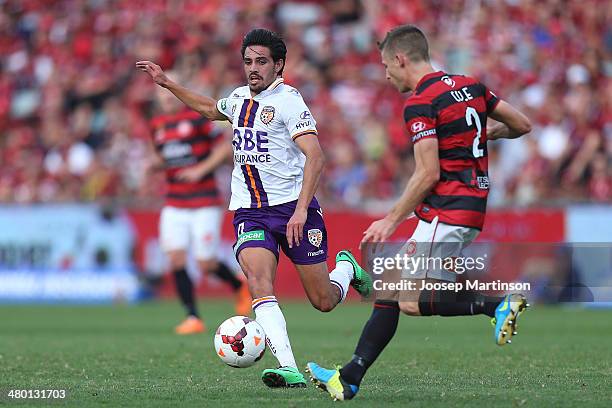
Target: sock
x,y
376,334
463,303
226,275
341,277
480,303
269,315
184,288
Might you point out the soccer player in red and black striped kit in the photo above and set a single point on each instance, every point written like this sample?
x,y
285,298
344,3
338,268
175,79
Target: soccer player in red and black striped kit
x,y
189,148
446,118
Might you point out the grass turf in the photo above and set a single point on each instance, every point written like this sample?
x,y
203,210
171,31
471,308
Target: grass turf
x,y
128,356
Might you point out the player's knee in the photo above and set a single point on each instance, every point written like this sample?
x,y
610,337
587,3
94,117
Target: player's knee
x,y
208,265
177,260
410,308
322,304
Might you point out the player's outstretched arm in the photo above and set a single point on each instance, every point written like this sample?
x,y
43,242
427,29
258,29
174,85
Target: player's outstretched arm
x,y
512,123
204,105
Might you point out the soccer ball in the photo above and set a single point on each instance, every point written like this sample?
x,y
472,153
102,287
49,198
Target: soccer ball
x,y
240,342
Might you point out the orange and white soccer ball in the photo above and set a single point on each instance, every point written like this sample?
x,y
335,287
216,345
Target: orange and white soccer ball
x,y
240,342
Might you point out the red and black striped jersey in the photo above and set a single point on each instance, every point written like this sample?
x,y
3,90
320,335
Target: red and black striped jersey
x,y
182,140
453,109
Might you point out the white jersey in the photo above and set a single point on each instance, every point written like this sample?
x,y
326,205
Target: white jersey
x,y
268,165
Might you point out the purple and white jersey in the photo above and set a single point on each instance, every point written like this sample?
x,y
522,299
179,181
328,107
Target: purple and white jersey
x,y
268,165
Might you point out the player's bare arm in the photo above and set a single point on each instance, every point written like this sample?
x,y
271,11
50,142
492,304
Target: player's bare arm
x,y
510,123
313,168
220,154
204,105
424,178
155,164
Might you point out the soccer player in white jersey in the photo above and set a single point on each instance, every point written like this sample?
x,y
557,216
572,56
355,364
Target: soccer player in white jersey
x,y
277,165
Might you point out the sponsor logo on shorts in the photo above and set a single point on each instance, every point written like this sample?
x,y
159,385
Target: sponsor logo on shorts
x,y
258,235
315,253
315,237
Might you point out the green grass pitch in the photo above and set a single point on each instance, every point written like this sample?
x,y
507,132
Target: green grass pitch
x,y
128,356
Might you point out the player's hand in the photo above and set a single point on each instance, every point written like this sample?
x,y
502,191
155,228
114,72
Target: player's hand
x,y
295,227
153,167
190,174
379,231
154,71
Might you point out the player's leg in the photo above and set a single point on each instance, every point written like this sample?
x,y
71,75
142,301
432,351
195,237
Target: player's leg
x,y
206,237
259,265
504,310
174,238
324,290
257,252
449,303
324,293
378,331
376,334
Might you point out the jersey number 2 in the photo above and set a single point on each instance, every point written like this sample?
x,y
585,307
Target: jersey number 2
x,y
472,118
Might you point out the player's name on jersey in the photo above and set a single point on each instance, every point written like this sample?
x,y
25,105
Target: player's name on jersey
x,y
254,158
422,284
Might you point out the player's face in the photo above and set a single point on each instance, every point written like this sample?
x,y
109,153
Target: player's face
x,y
168,103
393,70
259,68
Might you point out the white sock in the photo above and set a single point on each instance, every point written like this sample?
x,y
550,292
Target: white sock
x,y
269,315
341,277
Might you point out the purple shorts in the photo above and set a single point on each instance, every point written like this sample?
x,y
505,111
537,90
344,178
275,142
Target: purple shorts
x,y
266,227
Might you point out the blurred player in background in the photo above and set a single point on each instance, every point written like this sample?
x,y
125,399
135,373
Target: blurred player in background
x,y
277,165
446,118
189,148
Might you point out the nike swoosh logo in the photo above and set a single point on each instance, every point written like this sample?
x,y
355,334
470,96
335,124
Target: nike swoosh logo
x,y
505,306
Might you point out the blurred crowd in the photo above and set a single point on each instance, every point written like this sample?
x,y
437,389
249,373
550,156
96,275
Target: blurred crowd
x,y
74,111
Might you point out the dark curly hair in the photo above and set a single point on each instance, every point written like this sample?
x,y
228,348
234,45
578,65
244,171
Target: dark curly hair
x,y
269,39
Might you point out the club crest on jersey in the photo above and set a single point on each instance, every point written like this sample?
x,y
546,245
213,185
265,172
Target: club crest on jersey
x,y
184,127
417,127
448,81
267,114
315,237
